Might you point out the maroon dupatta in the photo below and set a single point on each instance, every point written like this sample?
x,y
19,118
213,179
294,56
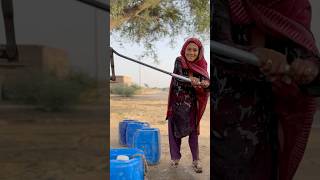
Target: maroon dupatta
x,y
198,66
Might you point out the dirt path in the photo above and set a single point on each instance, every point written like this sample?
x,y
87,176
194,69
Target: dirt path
x,y
152,108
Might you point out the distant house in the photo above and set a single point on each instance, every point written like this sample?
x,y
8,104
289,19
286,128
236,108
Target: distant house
x,y
125,80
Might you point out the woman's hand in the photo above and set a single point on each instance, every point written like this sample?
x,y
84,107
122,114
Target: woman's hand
x,y
304,71
195,82
205,83
272,63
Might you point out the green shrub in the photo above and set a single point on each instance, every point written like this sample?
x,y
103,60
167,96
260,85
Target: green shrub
x,y
83,80
45,91
136,87
124,90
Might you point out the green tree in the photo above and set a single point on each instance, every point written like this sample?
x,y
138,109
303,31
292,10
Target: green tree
x,y
148,21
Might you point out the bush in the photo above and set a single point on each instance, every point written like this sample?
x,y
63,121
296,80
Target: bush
x,y
136,87
124,90
45,91
84,81
90,92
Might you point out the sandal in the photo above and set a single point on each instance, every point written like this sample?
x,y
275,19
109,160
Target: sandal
x,y
196,166
175,163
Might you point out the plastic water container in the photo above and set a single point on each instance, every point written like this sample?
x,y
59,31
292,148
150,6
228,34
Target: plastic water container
x,y
148,140
122,169
132,127
122,131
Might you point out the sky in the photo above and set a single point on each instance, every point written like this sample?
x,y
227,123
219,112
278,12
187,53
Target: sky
x,y
142,75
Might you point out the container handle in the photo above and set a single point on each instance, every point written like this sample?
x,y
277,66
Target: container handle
x,y
145,163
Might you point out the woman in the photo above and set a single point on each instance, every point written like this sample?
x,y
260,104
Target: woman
x,y
261,116
187,101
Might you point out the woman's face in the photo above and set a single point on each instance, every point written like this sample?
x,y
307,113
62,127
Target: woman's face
x,y
192,52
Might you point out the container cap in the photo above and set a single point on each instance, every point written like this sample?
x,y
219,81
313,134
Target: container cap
x,y
122,158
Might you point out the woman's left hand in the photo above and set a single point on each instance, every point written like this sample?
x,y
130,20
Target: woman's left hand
x,y
205,83
196,83
304,71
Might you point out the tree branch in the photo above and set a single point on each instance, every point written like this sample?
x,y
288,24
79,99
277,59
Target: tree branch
x,y
131,12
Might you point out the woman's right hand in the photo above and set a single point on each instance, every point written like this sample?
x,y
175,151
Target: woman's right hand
x,y
272,64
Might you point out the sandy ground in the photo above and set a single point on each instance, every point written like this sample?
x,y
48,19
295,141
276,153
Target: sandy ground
x,y
152,108
52,146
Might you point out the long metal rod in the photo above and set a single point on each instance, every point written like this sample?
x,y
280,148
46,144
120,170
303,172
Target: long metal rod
x,y
236,54
97,4
113,76
144,64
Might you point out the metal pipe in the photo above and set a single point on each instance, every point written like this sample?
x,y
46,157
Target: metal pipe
x,y
113,76
144,64
236,54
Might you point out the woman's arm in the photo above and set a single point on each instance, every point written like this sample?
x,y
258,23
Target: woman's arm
x,y
178,70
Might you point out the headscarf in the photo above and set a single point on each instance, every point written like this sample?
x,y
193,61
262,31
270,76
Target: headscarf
x,y
288,19
198,66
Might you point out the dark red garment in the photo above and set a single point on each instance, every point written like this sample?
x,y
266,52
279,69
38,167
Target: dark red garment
x,y
198,66
286,19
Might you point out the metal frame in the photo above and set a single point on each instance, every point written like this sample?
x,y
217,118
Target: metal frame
x,y
10,50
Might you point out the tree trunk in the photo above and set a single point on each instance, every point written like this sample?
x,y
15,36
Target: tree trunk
x,y
132,12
